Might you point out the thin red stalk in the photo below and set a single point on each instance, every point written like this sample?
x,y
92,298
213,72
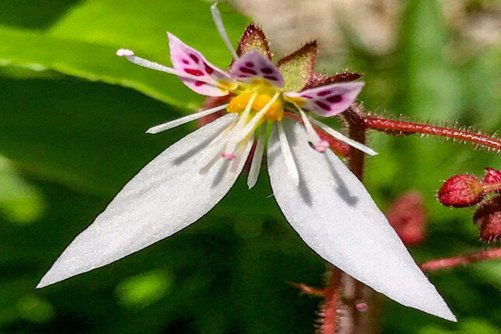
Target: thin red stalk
x,y
400,127
329,310
452,262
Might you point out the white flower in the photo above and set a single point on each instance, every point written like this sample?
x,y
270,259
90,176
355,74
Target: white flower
x,y
323,201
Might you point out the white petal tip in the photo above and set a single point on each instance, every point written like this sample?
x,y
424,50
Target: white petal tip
x,y
371,153
44,282
124,53
151,131
446,314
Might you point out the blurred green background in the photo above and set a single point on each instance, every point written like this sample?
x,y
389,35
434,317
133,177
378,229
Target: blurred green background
x,y
72,121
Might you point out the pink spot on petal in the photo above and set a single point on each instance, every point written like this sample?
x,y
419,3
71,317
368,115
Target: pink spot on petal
x,y
271,77
335,98
185,61
267,70
324,92
306,96
249,64
194,58
199,83
248,70
208,69
194,72
322,105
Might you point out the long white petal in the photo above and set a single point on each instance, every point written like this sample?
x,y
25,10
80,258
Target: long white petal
x,y
163,198
333,213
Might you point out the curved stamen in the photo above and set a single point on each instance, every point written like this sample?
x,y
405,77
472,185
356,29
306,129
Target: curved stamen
x,y
183,120
339,136
130,56
287,153
214,148
314,140
256,160
218,21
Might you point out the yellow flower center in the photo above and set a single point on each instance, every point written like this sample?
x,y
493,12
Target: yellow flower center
x,y
264,93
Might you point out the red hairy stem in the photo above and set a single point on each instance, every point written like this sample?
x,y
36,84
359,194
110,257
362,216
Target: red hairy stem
x,y
329,309
399,127
452,262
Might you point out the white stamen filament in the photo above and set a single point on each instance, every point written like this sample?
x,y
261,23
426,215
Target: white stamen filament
x,y
256,160
339,136
218,21
130,56
287,153
234,138
185,119
213,150
251,126
239,154
315,141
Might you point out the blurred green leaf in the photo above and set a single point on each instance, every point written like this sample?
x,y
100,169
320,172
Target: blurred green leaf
x,y
75,47
35,309
19,201
144,289
35,14
430,85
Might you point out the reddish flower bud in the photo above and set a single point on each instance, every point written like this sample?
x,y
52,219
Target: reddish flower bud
x,y
461,191
408,217
492,177
488,219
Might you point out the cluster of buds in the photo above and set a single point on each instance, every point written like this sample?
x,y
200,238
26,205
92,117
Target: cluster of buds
x,y
465,190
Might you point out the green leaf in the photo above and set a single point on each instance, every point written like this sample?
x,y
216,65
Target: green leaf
x,y
76,47
88,61
19,201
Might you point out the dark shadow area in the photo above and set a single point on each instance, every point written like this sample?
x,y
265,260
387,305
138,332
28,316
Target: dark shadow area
x,y
33,14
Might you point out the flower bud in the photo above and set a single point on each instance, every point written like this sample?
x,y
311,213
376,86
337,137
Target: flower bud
x,y
488,219
407,215
461,191
492,176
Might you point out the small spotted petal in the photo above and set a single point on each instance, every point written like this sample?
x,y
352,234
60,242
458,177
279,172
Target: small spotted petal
x,y
327,100
254,65
185,59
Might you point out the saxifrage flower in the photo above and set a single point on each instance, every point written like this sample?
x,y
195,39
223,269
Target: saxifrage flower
x,y
323,201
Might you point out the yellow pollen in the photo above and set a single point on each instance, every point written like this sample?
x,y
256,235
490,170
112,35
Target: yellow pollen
x,y
239,102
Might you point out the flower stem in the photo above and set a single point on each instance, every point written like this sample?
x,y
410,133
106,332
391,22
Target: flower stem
x,y
399,127
452,262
